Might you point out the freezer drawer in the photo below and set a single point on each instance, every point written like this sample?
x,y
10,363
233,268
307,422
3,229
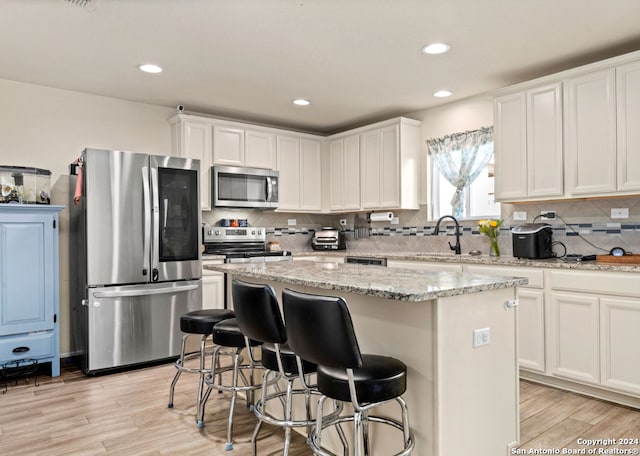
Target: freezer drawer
x,y
138,323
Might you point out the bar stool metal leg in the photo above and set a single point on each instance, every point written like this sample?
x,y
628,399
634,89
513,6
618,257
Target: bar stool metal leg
x,y
177,376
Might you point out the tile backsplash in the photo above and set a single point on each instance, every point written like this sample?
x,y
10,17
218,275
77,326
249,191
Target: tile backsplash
x,y
583,227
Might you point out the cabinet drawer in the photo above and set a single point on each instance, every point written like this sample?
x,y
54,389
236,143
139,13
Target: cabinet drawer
x,y
27,346
535,276
601,282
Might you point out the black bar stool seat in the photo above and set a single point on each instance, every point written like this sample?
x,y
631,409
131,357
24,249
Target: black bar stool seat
x,y
379,379
226,333
203,321
288,359
196,323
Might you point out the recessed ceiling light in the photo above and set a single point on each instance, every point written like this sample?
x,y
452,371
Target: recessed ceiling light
x,y
301,102
442,93
435,48
149,68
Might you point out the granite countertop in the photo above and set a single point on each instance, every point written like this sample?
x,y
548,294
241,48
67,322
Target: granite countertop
x,y
553,263
389,283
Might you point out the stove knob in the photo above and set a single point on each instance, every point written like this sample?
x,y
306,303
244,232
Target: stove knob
x,y
217,232
253,231
259,231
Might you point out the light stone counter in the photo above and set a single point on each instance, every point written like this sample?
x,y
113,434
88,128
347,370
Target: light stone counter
x,y
389,283
549,263
463,400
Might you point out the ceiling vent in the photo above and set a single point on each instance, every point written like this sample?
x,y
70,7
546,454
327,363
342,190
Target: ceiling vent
x,y
82,3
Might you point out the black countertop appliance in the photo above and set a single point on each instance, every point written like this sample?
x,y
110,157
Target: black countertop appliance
x,y
532,241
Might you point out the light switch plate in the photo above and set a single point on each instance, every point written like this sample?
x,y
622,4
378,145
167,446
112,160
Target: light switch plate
x,y
291,222
520,215
395,221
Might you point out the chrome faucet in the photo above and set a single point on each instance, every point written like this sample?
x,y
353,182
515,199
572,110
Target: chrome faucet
x,y
455,248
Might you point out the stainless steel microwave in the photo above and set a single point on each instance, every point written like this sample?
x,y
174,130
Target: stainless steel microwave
x,y
235,186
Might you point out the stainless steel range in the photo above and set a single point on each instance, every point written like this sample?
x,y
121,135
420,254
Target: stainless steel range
x,y
241,245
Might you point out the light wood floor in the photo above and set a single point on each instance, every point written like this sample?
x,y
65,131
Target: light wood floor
x,y
126,414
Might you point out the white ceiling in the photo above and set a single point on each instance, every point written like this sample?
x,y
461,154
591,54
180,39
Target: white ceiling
x,y
358,61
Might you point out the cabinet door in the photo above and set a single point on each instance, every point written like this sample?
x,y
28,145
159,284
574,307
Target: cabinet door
x,y
620,339
288,160
628,105
228,146
510,145
370,174
574,337
544,141
336,175
390,167
310,175
351,173
590,133
28,266
260,149
196,143
212,290
531,329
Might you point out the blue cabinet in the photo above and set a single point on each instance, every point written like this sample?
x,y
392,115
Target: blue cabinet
x,y
29,282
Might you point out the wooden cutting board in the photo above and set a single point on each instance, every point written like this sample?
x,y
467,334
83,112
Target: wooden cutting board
x,y
625,259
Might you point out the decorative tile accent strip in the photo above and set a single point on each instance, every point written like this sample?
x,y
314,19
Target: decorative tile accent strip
x,y
569,230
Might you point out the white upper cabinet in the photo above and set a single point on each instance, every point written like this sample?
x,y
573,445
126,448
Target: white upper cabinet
x,y
299,166
344,173
544,141
389,160
237,146
628,109
192,139
570,135
590,133
510,147
528,144
260,149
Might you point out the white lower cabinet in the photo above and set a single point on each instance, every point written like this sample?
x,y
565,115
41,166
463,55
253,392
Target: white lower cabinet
x,y
574,337
595,328
531,314
212,287
620,342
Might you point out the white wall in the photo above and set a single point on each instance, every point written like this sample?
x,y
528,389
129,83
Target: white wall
x,y
48,128
463,115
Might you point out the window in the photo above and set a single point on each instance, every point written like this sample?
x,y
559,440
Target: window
x,y
462,175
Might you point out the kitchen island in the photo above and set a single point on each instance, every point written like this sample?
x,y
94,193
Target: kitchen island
x,y
427,320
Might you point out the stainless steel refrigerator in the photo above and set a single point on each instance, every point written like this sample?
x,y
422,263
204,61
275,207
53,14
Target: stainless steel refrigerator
x,y
135,259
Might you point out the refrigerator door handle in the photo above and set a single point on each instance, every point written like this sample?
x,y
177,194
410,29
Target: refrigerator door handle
x,y
145,292
147,220
155,247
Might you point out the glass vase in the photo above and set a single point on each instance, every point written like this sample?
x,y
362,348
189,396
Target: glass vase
x,y
494,247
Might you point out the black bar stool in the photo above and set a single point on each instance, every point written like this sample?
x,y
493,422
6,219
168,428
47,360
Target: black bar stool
x,y
259,318
227,335
197,323
320,330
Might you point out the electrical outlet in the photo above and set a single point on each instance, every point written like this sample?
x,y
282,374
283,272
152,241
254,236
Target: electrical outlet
x,y
551,215
481,337
395,221
291,222
620,212
520,215
343,222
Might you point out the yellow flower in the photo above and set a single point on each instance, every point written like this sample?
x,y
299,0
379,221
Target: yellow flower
x,y
493,223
